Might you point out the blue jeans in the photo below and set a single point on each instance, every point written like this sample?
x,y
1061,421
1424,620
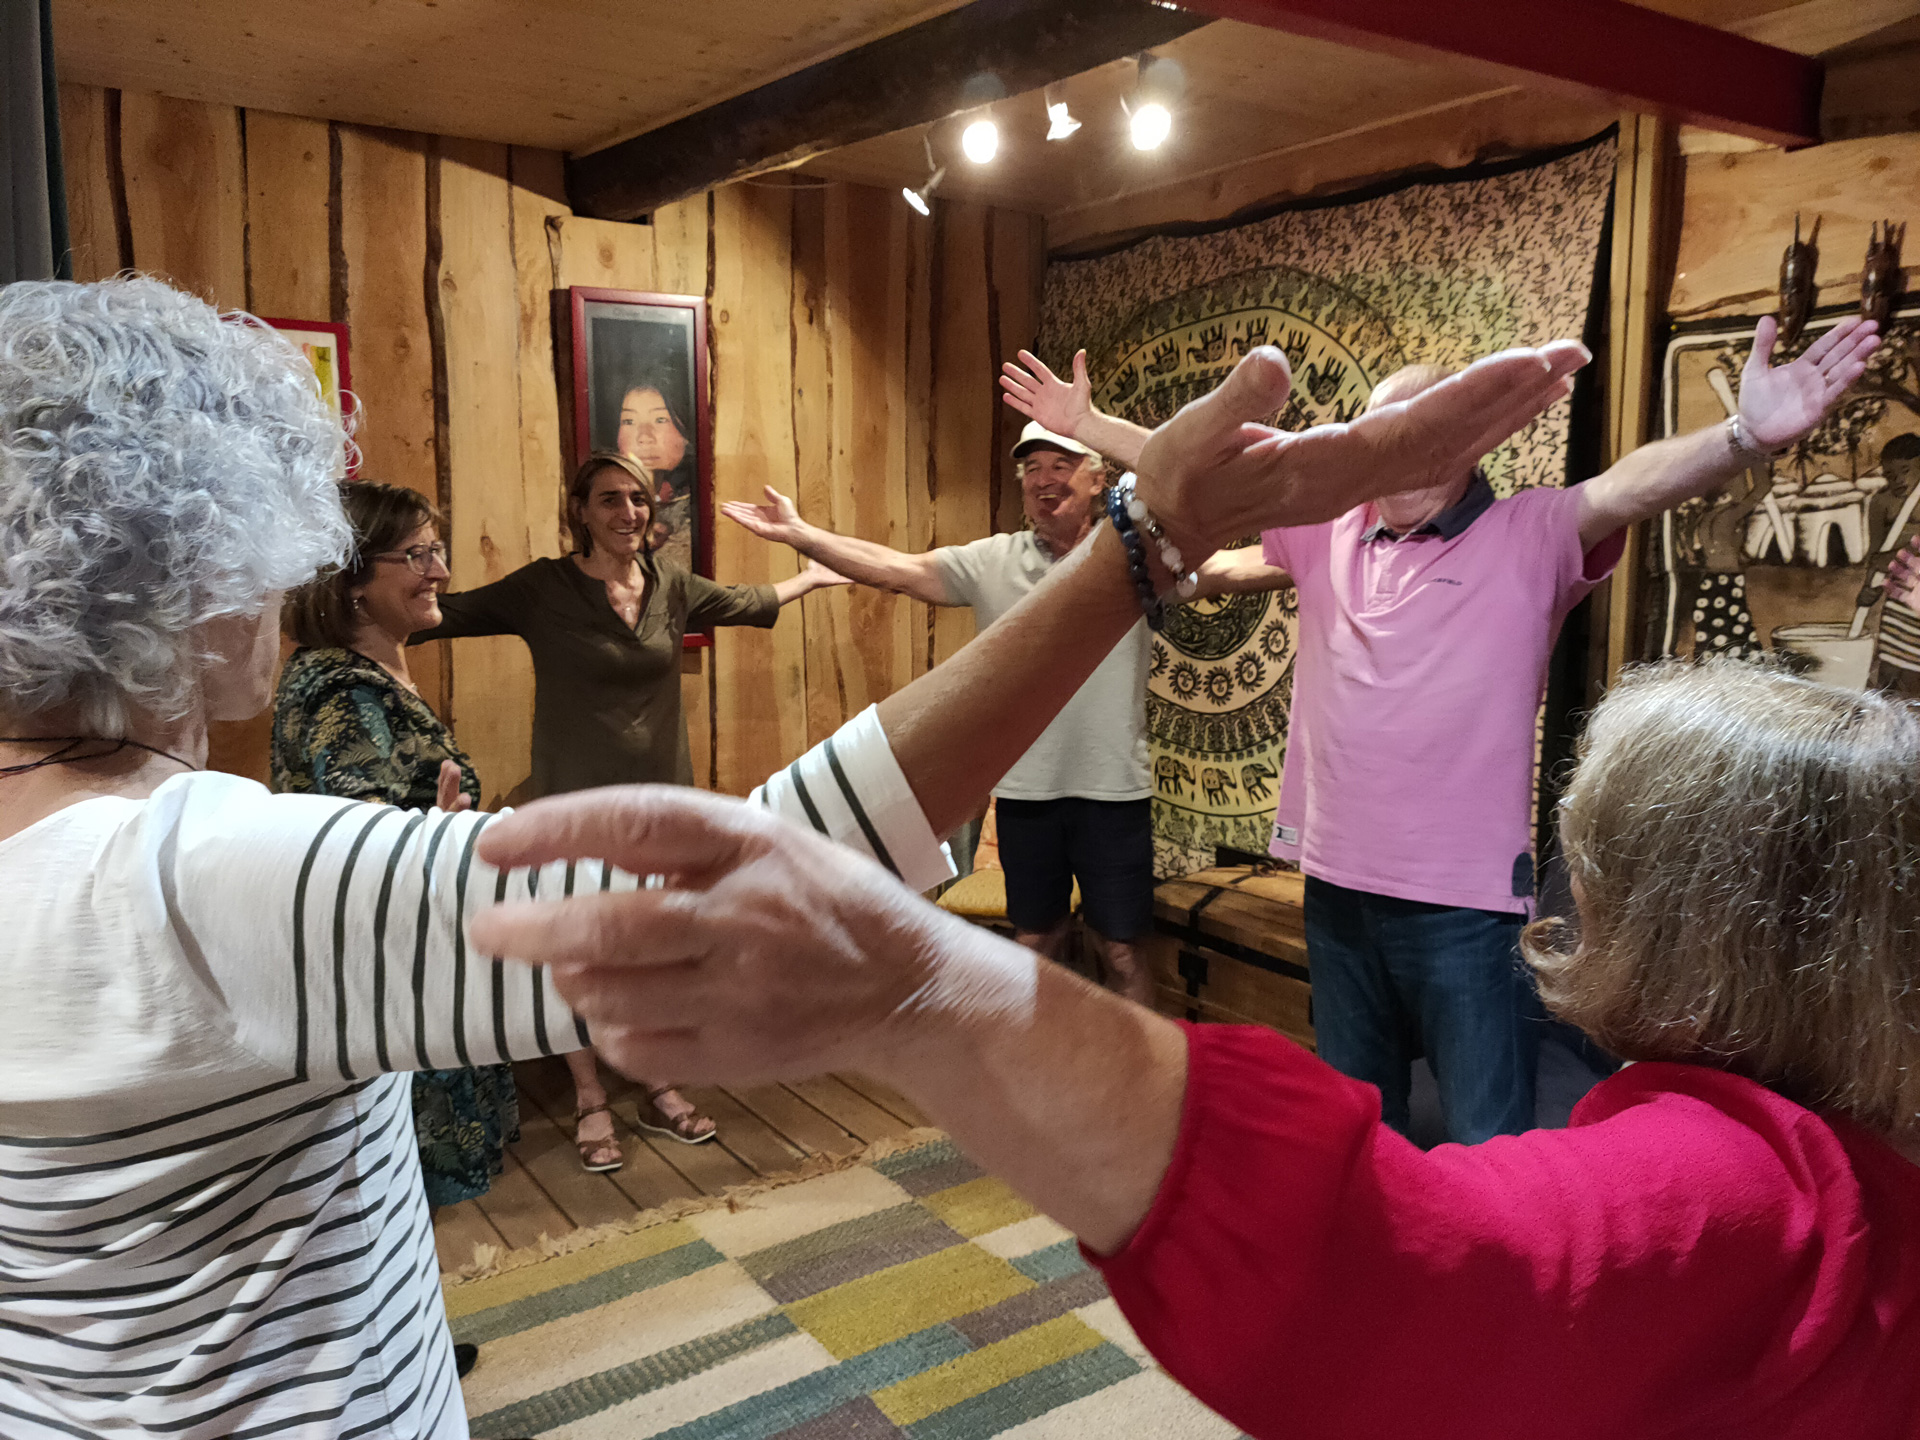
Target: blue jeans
x,y
1392,977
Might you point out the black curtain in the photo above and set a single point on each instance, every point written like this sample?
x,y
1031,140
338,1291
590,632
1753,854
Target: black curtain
x,y
33,198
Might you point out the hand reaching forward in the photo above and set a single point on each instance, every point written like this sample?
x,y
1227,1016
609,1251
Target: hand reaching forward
x,y
447,794
778,520
1903,575
1780,404
1039,394
777,954
819,577
1213,473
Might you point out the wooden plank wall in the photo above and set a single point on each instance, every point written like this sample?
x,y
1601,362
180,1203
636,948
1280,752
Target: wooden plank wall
x,y
854,348
1738,211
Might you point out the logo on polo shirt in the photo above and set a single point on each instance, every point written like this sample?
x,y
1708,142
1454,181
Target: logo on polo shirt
x,y
1442,580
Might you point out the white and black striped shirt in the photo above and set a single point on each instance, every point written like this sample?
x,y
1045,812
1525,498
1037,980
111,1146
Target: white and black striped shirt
x,y
211,1214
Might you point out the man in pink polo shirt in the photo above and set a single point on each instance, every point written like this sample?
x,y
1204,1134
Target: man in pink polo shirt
x,y
1426,622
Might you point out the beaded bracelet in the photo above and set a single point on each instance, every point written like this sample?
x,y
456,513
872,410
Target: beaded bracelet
x,y
1186,581
1156,613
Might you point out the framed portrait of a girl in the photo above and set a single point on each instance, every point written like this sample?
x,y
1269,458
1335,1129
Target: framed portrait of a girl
x,y
640,387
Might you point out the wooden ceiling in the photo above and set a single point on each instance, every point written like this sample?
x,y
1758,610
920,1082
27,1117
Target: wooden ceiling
x,y
1268,114
1250,92
1263,114
560,74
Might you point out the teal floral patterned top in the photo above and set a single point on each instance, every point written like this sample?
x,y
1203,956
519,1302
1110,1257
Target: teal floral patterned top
x,y
343,726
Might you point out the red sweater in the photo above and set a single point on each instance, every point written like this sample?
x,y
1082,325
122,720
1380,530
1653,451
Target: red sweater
x,y
1695,1257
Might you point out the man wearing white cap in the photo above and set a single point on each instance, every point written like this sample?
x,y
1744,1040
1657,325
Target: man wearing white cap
x,y
1077,805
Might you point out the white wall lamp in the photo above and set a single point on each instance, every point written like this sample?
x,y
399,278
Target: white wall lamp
x,y
1162,81
918,198
1059,123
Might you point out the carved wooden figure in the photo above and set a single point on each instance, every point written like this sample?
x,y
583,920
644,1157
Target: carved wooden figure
x,y
1880,275
1797,285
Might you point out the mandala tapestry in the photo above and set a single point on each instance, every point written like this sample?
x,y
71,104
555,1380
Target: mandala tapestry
x,y
1791,558
1441,270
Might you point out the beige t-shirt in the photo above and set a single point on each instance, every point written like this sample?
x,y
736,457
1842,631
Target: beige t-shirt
x,y
1096,748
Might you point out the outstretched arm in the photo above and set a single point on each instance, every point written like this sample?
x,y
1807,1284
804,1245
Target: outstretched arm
x,y
815,577
1778,405
775,955
861,561
1236,572
1066,408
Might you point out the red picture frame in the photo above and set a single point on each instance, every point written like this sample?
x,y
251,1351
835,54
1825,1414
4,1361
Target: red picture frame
x,y
651,349
313,335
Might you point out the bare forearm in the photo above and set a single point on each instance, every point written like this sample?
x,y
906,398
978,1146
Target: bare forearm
x,y
957,729
1074,1101
1236,572
1657,477
866,562
1116,439
792,588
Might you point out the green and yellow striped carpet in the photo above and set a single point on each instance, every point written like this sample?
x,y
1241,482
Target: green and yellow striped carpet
x,y
908,1296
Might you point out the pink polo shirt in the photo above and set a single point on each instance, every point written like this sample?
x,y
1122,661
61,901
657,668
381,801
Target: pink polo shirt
x,y
1422,664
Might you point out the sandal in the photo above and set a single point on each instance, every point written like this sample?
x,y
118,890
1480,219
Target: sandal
x,y
597,1156
684,1128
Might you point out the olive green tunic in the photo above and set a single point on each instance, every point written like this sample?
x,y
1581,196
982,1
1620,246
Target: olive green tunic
x,y
606,695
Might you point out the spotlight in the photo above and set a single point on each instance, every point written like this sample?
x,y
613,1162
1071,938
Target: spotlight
x,y
1150,125
918,198
980,141
1059,123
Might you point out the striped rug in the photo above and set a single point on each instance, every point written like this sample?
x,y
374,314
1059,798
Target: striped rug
x,y
905,1296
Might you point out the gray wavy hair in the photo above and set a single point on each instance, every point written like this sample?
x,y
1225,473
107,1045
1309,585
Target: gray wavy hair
x,y
160,467
1745,847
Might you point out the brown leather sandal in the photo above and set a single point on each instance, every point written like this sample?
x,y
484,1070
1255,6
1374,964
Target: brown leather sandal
x,y
594,1153
684,1128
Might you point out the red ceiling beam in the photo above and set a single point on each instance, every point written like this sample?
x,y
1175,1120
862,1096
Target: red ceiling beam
x,y
1636,58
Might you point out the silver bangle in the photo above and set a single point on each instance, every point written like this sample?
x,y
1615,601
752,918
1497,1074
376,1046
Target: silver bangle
x,y
1742,444
1186,582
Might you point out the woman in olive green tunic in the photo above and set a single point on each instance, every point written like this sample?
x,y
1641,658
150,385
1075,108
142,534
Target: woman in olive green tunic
x,y
604,626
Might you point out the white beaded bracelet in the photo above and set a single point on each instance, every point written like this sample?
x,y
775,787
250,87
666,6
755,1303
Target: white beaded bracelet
x,y
1187,581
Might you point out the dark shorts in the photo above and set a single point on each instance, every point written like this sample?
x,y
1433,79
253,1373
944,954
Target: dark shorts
x,y
1107,845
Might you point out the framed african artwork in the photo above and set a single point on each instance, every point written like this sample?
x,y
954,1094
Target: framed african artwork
x,y
640,387
325,346
1790,559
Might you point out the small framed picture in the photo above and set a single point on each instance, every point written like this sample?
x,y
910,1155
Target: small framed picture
x,y
325,346
640,387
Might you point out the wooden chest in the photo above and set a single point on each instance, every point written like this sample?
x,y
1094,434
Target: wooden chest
x,y
1229,944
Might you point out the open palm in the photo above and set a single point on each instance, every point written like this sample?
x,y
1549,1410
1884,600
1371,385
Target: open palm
x,y
1780,404
777,520
1039,394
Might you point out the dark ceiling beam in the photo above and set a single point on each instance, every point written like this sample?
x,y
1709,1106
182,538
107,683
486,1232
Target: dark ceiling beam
x,y
912,77
1626,55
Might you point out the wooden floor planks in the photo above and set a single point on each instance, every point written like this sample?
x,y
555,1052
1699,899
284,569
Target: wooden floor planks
x,y
765,1130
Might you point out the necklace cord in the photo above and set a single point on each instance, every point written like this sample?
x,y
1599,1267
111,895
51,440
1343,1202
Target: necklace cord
x,y
68,743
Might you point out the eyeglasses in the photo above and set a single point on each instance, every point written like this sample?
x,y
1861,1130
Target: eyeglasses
x,y
420,558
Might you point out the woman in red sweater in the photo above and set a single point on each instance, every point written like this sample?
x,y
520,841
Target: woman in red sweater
x,y
1725,1242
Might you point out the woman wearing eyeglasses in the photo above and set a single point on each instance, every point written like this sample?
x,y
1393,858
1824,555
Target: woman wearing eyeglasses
x,y
348,720
604,626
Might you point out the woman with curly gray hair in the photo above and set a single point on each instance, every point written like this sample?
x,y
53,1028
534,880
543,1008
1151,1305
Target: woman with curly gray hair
x,y
212,1221
211,1215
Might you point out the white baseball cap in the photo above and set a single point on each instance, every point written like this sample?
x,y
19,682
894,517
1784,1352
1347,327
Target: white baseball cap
x,y
1036,435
